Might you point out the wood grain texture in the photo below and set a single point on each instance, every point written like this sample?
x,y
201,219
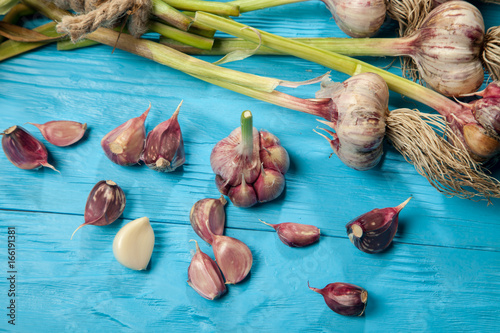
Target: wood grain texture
x,y
442,274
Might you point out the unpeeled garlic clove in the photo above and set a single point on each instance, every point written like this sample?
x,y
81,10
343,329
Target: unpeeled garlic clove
x,y
205,277
62,133
374,231
124,144
269,185
272,153
23,149
164,148
208,218
133,244
296,234
242,195
233,257
105,204
344,298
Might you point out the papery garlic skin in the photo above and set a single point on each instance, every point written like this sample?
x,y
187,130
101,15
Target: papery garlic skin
x,y
133,244
361,106
207,217
358,18
204,276
344,298
23,149
233,257
164,148
62,133
124,144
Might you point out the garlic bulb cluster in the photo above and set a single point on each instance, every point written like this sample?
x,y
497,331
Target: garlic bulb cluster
x,y
249,165
360,108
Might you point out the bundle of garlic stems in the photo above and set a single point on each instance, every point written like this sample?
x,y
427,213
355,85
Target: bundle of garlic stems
x,y
456,175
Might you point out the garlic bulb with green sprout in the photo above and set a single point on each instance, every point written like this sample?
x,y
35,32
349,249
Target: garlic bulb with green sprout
x,y
240,173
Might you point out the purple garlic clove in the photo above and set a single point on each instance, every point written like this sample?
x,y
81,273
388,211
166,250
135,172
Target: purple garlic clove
x,y
207,218
233,257
242,195
373,232
272,154
204,276
105,204
344,298
23,149
296,234
164,149
62,133
124,144
269,185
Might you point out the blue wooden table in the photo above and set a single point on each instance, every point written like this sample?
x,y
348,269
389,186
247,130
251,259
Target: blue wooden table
x,y
441,274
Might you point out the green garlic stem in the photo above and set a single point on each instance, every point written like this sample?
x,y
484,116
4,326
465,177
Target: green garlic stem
x,y
15,14
250,5
10,48
181,36
161,53
331,60
214,7
346,46
68,45
200,29
247,134
170,15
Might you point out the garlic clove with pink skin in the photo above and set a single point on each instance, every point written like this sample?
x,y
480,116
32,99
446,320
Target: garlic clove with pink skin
x,y
105,203
269,185
124,144
208,218
242,195
23,149
296,234
204,276
272,154
233,257
358,18
62,133
164,148
133,244
374,231
344,298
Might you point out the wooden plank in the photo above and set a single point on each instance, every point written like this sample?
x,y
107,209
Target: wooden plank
x,y
441,274
77,285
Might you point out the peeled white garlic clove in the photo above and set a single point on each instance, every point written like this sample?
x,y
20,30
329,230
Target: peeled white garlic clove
x,y
133,244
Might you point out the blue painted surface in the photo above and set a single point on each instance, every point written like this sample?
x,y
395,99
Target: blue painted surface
x,y
441,274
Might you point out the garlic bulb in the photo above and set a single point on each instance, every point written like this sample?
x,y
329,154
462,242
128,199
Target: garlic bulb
x,y
358,18
133,244
360,108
